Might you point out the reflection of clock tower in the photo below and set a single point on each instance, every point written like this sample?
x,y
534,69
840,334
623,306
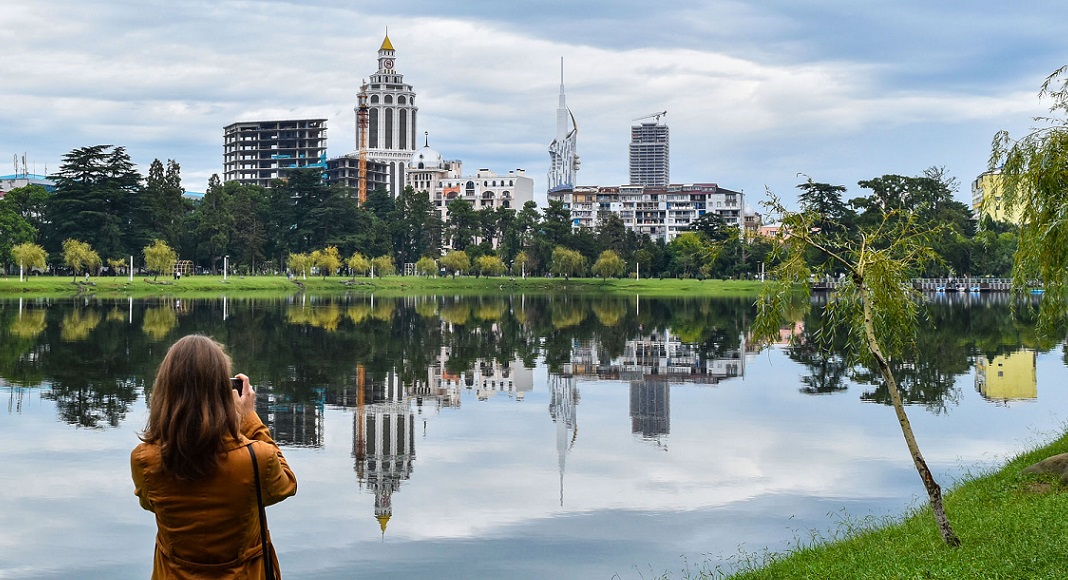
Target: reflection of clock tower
x,y
391,126
383,441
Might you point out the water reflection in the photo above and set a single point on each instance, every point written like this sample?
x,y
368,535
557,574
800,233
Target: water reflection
x,y
403,370
305,350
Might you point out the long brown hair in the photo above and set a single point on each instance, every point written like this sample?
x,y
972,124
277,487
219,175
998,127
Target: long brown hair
x,y
192,411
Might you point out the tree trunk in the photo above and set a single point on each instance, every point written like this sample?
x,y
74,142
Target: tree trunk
x,y
934,492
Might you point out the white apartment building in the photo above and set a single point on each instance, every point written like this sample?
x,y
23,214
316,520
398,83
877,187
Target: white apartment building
x,y
661,213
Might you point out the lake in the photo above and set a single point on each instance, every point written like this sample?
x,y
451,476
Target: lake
x,y
510,437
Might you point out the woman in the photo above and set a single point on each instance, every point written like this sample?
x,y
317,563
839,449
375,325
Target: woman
x,y
194,472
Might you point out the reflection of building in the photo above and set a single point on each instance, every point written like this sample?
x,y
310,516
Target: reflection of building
x,y
653,363
293,424
658,356
488,378
650,409
1007,377
563,400
383,441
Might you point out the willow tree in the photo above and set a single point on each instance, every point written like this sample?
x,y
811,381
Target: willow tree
x,y
1034,186
159,257
874,303
29,255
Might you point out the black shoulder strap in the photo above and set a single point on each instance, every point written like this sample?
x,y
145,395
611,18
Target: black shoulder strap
x,y
268,565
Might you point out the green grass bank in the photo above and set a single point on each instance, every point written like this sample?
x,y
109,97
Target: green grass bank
x,y
1011,525
52,286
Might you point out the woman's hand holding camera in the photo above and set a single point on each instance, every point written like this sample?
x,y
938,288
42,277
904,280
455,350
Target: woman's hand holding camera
x,y
245,399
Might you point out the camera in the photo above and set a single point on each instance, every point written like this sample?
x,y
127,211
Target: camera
x,y
237,384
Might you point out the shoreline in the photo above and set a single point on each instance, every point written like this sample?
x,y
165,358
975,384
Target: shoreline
x,y
63,286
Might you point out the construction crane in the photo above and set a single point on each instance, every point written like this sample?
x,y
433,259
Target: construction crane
x,y
361,126
657,115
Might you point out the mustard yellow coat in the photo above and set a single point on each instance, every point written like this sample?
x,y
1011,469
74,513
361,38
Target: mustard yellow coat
x,y
210,528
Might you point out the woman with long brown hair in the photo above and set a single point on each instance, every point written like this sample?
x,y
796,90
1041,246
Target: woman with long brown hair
x,y
202,452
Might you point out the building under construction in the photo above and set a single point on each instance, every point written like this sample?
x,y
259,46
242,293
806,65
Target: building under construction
x,y
258,152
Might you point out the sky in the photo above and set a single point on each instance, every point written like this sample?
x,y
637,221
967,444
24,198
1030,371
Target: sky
x,y
759,95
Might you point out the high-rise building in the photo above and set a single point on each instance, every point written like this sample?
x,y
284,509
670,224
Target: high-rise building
x,y
563,156
649,154
258,152
391,119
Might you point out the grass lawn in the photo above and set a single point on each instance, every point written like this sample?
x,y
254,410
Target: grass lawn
x,y
1011,525
390,285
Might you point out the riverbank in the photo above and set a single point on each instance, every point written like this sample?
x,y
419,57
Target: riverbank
x,y
50,286
1011,526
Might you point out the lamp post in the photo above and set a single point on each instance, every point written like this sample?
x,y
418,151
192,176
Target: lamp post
x,y
226,266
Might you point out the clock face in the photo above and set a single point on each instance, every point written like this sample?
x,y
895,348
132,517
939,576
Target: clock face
x,y
388,63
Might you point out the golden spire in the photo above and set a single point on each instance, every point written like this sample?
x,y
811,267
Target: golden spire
x,y
386,44
382,521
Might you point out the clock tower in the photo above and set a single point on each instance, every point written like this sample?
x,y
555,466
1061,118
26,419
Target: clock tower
x,y
391,118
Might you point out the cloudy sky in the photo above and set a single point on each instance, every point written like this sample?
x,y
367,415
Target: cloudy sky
x,y
755,92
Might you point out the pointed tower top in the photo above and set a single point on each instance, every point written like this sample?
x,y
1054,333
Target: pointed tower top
x,y
382,521
386,44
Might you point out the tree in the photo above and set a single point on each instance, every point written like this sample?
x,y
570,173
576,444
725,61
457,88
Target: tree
x,y
248,234
692,253
14,229
490,265
609,264
462,224
163,201
456,262
1033,178
116,264
80,256
327,260
875,304
28,255
300,263
215,222
97,199
30,202
522,264
359,264
426,266
384,265
159,257
567,263
416,226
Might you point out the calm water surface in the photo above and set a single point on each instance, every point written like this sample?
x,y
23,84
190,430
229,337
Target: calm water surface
x,y
521,437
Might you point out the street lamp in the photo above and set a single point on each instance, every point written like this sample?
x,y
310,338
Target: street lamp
x,y
226,266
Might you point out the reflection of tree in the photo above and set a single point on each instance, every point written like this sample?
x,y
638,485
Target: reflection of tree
x,y
29,324
822,354
325,316
456,313
77,324
303,356
609,313
92,405
492,310
158,322
567,313
358,312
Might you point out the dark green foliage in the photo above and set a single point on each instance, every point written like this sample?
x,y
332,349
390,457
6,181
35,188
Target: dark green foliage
x,y
98,200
